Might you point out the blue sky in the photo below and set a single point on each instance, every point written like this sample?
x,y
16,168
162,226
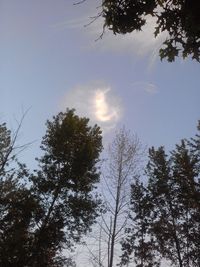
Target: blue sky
x,y
50,61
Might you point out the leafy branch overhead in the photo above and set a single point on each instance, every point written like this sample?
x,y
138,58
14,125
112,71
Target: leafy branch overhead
x,y
179,18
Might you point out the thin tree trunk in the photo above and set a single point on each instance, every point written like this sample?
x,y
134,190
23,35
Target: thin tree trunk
x,y
115,215
176,240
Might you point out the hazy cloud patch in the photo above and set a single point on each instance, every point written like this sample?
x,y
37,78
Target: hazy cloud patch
x,y
140,43
84,23
96,101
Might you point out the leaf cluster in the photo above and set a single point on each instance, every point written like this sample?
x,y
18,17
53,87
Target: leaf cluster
x,y
179,18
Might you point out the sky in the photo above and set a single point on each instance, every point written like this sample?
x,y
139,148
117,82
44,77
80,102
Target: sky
x,y
52,58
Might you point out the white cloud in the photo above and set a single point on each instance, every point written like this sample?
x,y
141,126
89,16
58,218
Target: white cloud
x,y
95,101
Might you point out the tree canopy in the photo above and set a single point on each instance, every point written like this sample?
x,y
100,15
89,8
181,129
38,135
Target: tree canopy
x,y
165,212
179,18
42,213
48,210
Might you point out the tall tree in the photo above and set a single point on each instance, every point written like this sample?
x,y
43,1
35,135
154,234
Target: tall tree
x,y
51,211
124,154
17,205
172,205
138,245
180,19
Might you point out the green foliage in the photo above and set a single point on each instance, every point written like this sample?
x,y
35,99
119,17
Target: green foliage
x,y
180,19
166,212
50,212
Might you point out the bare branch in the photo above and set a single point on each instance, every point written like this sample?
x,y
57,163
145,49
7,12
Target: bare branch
x,y
10,153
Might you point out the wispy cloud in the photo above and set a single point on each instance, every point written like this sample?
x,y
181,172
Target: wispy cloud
x,y
141,43
77,23
96,101
147,87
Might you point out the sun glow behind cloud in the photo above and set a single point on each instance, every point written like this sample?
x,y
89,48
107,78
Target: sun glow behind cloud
x,y
102,109
97,102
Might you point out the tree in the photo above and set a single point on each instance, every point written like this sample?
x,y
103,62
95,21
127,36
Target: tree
x,y
8,145
67,177
16,202
51,211
180,19
124,155
170,205
139,245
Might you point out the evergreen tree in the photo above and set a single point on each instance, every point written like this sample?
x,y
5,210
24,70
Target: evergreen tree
x,y
139,246
45,212
171,207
